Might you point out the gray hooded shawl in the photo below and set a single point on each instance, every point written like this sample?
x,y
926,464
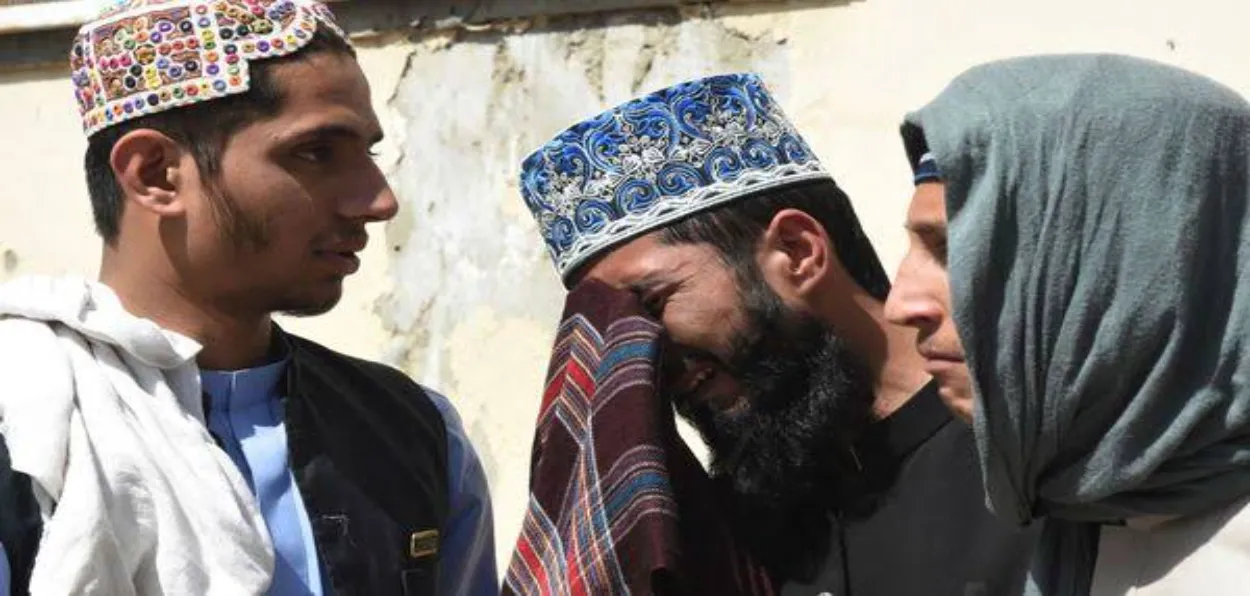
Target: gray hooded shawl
x,y
1099,264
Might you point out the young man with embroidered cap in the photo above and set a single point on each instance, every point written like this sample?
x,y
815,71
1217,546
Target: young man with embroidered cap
x,y
1079,273
161,434
849,476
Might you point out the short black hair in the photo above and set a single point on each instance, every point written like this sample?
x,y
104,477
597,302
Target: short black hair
x,y
735,230
202,128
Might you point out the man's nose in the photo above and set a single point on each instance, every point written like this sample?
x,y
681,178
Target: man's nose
x,y
910,306
384,206
371,199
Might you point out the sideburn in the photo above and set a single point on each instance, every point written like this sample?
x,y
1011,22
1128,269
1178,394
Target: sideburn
x,y
245,234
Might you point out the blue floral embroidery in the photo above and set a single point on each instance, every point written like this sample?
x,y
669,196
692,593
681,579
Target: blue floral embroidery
x,y
659,158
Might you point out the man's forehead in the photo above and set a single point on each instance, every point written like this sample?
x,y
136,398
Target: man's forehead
x,y
324,77
644,260
623,264
928,206
325,92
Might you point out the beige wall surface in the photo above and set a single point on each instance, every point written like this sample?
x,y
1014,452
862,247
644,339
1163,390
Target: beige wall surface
x,y
457,290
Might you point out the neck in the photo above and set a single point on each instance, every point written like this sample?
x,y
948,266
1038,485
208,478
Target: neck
x,y
888,350
149,288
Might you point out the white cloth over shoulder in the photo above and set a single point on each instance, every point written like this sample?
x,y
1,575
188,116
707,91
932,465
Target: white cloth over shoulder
x,y
103,411
1205,554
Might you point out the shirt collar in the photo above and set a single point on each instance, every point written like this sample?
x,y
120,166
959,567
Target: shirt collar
x,y
892,439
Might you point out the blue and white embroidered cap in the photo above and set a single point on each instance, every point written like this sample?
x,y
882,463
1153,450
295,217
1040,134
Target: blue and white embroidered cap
x,y
654,160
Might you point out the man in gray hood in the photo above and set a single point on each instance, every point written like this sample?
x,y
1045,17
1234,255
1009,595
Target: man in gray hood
x,y
1079,274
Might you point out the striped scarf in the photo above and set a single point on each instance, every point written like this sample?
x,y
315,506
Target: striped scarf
x,y
618,503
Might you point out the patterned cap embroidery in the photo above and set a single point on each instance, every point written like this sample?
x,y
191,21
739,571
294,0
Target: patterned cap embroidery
x,y
926,170
141,57
656,159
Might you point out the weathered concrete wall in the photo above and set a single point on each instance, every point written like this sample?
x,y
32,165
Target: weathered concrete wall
x,y
457,290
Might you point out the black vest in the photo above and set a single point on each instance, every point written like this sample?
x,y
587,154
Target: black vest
x,y
368,450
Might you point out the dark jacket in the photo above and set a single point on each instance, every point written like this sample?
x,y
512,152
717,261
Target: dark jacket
x,y
369,452
931,532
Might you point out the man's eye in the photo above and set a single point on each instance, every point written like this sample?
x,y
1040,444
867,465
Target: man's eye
x,y
654,305
318,154
938,247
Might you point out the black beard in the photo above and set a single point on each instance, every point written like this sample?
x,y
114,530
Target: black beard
x,y
786,454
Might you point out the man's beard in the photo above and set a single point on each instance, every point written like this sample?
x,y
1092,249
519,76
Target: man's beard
x,y
250,235
787,453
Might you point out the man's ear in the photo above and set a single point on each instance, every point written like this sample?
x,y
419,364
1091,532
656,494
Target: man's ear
x,y
795,254
149,167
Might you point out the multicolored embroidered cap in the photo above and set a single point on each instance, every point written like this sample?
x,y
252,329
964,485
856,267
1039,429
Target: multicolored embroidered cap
x,y
140,57
656,159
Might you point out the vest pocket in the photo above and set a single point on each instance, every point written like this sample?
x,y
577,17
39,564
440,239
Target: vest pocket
x,y
339,556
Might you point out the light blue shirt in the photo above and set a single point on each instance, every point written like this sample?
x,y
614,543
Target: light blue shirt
x,y
468,564
246,416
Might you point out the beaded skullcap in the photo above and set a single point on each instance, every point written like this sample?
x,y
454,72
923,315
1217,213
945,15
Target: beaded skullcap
x,y
141,57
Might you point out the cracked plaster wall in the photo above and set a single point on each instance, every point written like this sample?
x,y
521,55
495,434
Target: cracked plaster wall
x,y
456,290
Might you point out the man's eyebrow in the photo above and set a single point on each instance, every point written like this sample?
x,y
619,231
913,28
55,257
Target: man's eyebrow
x,y
926,228
334,131
647,283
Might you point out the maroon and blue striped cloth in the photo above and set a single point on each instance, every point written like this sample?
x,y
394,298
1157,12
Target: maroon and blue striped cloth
x,y
618,503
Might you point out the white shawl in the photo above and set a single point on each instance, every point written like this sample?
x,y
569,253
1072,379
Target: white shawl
x,y
103,411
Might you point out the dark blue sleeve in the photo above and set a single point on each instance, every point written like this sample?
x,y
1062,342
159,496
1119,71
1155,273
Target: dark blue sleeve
x,y
4,571
20,526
